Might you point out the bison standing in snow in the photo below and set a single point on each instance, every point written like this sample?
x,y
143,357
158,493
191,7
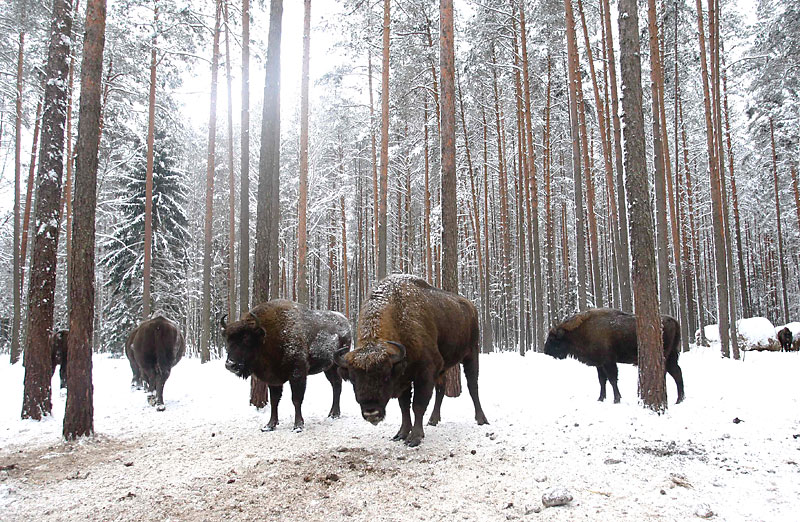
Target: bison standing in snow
x,y
603,337
153,348
409,333
281,341
785,338
58,355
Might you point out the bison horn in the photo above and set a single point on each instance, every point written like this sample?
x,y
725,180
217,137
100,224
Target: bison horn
x,y
258,324
222,321
338,357
397,357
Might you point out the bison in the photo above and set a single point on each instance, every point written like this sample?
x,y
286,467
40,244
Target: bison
x,y
410,333
281,341
58,355
153,348
603,337
785,338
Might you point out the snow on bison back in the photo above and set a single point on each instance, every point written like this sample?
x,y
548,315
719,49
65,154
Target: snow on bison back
x,y
603,337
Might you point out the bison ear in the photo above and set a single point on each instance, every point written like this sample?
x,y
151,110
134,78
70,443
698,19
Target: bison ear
x,y
398,353
338,357
222,322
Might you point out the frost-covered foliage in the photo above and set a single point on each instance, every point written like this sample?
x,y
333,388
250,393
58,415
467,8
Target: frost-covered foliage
x,y
124,252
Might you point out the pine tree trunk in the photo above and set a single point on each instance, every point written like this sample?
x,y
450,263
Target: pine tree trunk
x,y
244,192
302,204
79,412
36,401
29,197
781,258
205,335
384,176
17,269
231,177
624,256
148,198
345,277
580,239
488,337
427,216
652,385
795,188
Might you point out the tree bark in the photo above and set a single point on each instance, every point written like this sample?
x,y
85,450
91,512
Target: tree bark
x,y
244,192
302,204
382,220
79,412
205,335
781,258
148,201
652,385
17,269
231,177
36,401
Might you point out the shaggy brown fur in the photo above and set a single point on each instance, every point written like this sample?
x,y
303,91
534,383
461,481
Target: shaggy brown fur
x,y
410,333
281,341
603,337
785,338
153,349
58,355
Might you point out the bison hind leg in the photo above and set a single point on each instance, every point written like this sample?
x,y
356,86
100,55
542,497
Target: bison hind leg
x,y
471,373
601,376
405,410
674,370
611,372
436,415
336,383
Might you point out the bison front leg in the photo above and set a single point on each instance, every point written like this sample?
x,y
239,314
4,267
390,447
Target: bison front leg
x,y
275,393
601,376
423,390
405,410
298,392
336,384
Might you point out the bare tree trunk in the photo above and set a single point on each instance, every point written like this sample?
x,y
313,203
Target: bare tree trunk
x,y
244,192
382,221
427,217
29,197
652,385
205,335
781,258
17,288
488,338
302,204
796,190
572,51
79,413
36,401
345,278
148,198
231,177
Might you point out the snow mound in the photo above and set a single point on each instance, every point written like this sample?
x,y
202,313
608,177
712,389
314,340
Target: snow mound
x,y
753,334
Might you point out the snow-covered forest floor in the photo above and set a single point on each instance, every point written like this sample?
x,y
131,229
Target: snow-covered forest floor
x,y
205,458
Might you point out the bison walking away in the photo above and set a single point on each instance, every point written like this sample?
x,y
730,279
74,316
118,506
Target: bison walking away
x,y
603,337
785,338
153,348
281,341
58,355
410,333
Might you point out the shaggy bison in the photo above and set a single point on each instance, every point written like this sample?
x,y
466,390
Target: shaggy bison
x,y
153,348
603,337
58,355
410,333
281,341
785,338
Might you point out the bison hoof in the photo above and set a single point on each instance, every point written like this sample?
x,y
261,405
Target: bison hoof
x,y
268,427
413,442
616,400
161,407
481,419
601,398
680,400
433,421
297,429
334,414
400,436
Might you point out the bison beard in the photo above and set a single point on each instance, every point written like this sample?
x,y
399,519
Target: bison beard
x,y
409,333
281,341
603,337
153,348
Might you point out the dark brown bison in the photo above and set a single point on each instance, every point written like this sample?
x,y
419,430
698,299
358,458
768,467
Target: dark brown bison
x,y
785,338
281,341
153,348
58,355
603,337
410,333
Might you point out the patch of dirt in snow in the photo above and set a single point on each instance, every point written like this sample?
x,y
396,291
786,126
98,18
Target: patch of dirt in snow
x,y
206,459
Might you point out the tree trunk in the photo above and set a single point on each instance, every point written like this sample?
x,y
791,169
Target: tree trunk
x,y
17,288
652,385
302,204
231,177
345,278
205,327
36,400
580,240
382,220
781,258
79,412
488,338
148,198
244,192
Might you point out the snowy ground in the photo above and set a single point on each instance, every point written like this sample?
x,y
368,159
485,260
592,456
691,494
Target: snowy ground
x,y
204,458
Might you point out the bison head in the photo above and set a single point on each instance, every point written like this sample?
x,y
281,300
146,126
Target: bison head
x,y
244,339
557,345
373,369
